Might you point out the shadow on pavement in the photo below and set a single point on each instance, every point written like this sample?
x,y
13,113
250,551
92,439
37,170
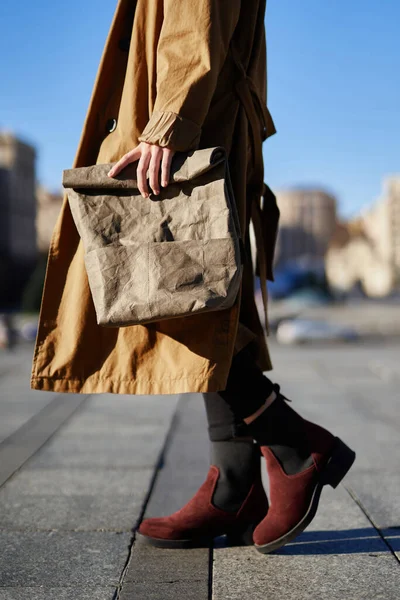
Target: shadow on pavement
x,y
349,541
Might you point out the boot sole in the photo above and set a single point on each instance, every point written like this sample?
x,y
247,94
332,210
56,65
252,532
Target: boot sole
x,y
338,465
236,537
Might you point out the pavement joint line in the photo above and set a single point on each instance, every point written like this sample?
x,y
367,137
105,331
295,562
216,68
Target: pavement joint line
x,y
21,445
66,530
210,571
158,466
359,503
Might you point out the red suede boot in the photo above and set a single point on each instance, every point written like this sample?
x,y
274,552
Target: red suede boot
x,y
199,521
294,498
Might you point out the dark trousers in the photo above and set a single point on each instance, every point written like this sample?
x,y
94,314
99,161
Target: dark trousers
x,y
246,391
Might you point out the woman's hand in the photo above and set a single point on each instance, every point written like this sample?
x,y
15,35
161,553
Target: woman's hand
x,y
152,158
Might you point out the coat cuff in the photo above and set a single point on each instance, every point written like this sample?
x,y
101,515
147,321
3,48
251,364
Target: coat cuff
x,y
172,130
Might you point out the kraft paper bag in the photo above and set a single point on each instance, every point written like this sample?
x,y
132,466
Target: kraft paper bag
x,y
162,257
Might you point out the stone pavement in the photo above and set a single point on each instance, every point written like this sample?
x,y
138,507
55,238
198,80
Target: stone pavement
x,y
78,473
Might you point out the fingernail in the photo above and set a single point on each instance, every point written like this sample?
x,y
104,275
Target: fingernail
x,y
145,195
164,183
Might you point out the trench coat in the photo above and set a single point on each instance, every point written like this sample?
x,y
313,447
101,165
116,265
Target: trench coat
x,y
186,75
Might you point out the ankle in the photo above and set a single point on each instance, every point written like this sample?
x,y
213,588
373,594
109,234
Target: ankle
x,y
264,407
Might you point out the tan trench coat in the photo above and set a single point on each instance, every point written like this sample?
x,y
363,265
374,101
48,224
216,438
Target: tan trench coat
x,y
186,75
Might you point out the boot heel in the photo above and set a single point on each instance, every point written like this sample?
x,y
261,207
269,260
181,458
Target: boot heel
x,y
338,465
242,536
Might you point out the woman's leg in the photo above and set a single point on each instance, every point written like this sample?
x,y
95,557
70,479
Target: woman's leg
x,y
233,452
231,499
249,398
301,457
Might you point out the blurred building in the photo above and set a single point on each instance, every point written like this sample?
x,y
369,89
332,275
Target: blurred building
x,y
382,224
48,209
17,198
366,250
18,250
352,262
307,222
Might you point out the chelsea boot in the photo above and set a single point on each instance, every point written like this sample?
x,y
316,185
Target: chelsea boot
x,y
294,497
199,521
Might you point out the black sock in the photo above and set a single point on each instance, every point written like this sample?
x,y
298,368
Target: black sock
x,y
238,463
281,429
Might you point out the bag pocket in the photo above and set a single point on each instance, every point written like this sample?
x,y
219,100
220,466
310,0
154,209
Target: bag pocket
x,y
139,283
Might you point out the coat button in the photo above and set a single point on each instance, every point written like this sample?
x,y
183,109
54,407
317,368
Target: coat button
x,y
111,125
124,44
264,133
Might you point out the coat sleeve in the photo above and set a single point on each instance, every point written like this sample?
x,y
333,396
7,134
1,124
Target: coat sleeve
x,y
192,48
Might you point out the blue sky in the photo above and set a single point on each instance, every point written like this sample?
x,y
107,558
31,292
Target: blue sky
x,y
334,88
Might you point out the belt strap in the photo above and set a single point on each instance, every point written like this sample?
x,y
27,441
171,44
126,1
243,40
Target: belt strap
x,y
262,263
261,126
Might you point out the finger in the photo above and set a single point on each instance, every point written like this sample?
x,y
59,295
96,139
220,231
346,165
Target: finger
x,y
166,166
128,158
142,173
154,169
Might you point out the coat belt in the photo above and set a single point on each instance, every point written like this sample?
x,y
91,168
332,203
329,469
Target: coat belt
x,y
261,126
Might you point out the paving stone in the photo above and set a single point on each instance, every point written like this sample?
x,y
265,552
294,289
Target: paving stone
x,y
10,424
376,444
16,385
184,471
171,590
134,410
339,544
162,574
338,512
140,449
62,559
72,513
142,568
110,425
143,406
77,481
93,474
24,401
109,416
123,435
57,593
25,442
245,573
74,499
16,411
378,492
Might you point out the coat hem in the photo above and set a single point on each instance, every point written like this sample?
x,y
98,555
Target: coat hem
x,y
110,386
